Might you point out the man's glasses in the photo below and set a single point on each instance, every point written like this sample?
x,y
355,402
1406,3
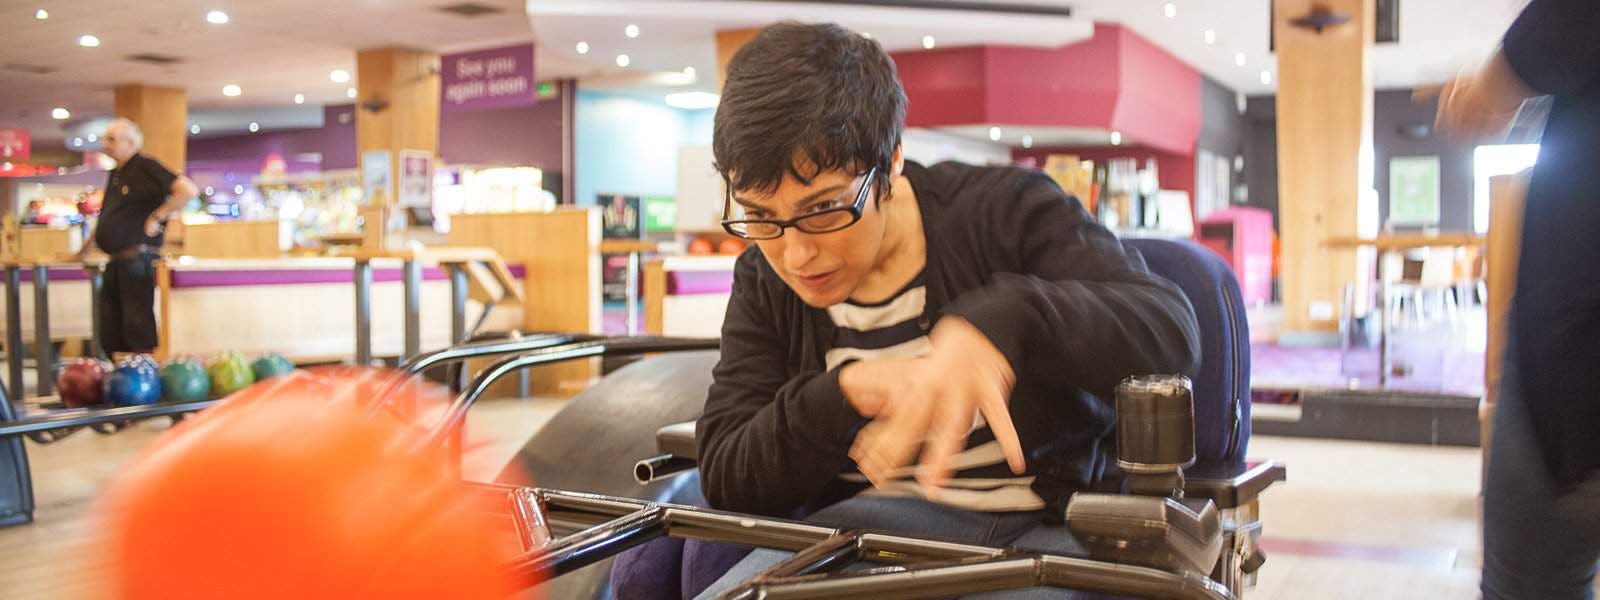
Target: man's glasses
x,y
827,220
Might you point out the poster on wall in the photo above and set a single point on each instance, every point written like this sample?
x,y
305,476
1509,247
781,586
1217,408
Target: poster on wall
x,y
416,178
376,182
619,216
1414,190
660,214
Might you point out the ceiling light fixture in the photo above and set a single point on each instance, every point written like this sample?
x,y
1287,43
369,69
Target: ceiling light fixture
x,y
254,127
631,31
88,41
693,100
60,114
299,98
583,47
350,93
1266,78
41,14
231,90
1211,37
1170,9
1238,59
623,60
1116,138
216,17
927,42
1027,141
339,76
77,141
194,130
688,72
994,134
93,138
238,189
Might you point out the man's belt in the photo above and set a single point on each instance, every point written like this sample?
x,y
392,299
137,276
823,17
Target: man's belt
x,y
136,251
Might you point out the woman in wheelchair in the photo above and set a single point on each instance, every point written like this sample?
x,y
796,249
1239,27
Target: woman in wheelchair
x,y
926,350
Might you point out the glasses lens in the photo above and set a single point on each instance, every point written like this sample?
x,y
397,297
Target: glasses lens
x,y
757,230
826,221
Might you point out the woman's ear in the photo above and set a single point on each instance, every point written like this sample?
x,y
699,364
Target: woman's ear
x,y
899,162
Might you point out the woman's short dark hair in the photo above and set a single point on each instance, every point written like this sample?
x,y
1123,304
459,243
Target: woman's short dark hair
x,y
817,92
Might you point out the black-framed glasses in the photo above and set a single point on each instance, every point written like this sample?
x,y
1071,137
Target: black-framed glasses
x,y
827,220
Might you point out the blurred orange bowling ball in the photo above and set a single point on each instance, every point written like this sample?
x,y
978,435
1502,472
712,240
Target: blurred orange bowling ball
x,y
730,246
700,247
298,488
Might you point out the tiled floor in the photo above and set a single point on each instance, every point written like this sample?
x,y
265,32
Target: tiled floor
x,y
1355,520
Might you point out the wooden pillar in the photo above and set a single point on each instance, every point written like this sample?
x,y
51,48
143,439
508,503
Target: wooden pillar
x,y
397,107
162,115
1324,124
729,42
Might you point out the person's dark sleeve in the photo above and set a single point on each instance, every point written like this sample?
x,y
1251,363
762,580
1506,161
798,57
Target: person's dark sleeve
x,y
768,442
1554,45
1090,312
163,177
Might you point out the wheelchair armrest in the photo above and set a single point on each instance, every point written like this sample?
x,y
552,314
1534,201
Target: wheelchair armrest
x,y
677,439
1235,485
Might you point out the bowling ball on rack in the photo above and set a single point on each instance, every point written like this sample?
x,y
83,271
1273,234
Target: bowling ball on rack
x,y
271,365
700,247
730,246
184,380
81,382
229,373
134,382
307,493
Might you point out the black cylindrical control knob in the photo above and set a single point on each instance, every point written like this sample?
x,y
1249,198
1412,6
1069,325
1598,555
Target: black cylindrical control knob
x,y
1155,424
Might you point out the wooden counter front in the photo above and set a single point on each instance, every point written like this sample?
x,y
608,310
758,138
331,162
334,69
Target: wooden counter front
x,y
234,239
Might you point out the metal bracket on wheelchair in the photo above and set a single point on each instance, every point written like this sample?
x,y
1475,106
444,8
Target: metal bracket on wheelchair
x,y
564,531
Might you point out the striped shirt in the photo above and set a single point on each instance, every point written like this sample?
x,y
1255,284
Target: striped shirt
x,y
896,328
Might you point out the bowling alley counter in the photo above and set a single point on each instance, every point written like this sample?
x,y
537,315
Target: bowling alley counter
x,y
303,308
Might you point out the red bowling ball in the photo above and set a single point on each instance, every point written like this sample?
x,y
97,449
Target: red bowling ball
x,y
79,383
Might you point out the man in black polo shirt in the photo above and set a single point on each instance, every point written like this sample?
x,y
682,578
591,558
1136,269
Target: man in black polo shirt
x,y
140,195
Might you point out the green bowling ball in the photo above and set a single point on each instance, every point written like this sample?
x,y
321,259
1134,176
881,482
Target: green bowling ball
x,y
230,372
271,365
184,380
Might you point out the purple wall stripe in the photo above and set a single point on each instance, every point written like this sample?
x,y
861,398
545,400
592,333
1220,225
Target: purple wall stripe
x,y
199,279
685,283
57,274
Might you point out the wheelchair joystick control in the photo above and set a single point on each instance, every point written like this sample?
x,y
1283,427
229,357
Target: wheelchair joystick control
x,y
1155,433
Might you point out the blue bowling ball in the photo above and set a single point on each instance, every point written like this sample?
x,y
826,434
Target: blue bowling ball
x,y
133,383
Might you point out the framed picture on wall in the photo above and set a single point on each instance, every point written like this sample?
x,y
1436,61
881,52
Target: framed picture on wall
x,y
1414,190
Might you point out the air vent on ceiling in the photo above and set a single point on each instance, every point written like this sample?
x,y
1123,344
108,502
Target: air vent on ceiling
x,y
470,9
35,69
154,59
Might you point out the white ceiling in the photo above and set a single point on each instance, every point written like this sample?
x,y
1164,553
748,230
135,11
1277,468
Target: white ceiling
x,y
274,49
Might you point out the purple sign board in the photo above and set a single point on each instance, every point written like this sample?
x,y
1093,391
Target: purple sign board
x,y
484,79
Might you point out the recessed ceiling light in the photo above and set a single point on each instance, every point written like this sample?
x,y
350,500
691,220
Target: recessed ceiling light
x,y
339,76
688,72
994,134
299,98
1170,9
1027,141
60,114
632,31
254,127
194,130
927,42
216,17
350,93
693,100
210,190
1266,78
623,60
41,14
77,141
583,47
93,138
1116,138
88,41
1211,36
1238,59
231,90
238,189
